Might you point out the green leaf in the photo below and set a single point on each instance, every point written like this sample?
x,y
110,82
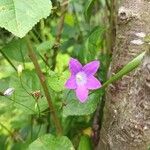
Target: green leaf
x,y
88,8
46,45
57,80
62,61
19,16
5,105
75,108
22,97
50,142
93,42
85,143
125,70
16,50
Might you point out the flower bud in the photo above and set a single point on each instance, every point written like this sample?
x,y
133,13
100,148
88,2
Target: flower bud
x,y
19,70
9,92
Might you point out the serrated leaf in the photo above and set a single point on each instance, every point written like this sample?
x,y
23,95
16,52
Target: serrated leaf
x,y
75,108
51,142
19,16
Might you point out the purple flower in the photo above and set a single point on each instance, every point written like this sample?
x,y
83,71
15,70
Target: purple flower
x,y
82,78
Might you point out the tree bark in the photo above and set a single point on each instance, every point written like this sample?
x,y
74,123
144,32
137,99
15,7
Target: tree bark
x,y
126,122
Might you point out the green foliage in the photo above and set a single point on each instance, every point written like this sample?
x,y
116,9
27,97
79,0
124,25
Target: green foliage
x,y
57,80
26,121
75,108
50,142
85,143
19,17
24,88
88,8
94,42
16,46
22,97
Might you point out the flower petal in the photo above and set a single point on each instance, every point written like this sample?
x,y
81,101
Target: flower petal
x,y
93,83
91,68
82,93
71,83
74,66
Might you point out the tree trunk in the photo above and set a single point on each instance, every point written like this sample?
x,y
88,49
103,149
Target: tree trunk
x,y
126,123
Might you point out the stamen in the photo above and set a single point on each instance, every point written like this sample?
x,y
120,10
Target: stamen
x,y
81,78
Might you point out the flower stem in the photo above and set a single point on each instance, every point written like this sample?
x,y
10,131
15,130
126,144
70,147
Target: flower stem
x,y
45,88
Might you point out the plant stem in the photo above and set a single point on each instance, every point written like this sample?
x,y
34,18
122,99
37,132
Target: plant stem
x,y
42,24
3,126
77,19
45,88
31,127
59,32
9,61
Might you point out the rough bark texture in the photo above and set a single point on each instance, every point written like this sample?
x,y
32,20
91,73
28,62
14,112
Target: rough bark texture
x,y
126,124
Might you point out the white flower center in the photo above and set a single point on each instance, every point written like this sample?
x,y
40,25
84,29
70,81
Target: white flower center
x,y
81,78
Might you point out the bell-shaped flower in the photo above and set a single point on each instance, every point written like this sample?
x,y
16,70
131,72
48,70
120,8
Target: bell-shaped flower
x,y
82,78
